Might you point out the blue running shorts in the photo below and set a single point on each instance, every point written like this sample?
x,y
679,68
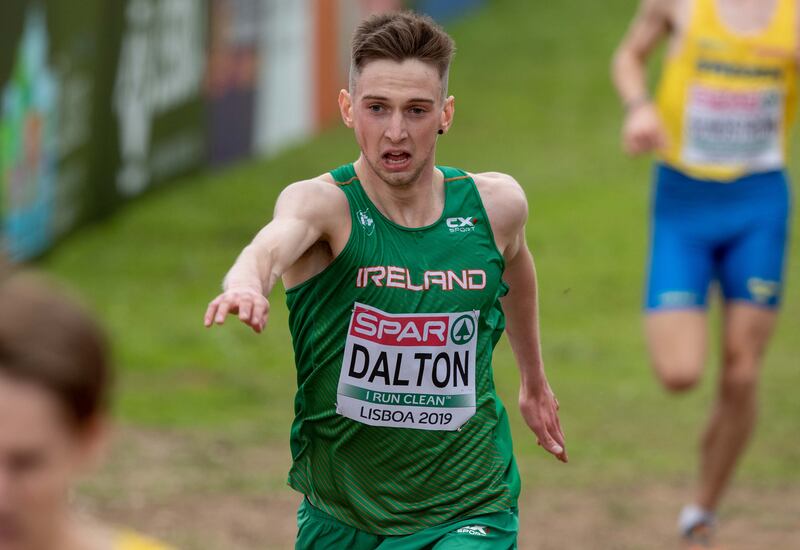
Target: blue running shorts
x,y
703,231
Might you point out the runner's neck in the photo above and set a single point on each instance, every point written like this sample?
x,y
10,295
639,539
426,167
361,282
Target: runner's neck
x,y
418,204
746,17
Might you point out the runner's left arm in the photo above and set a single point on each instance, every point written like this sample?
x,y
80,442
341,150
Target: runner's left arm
x,y
507,208
537,402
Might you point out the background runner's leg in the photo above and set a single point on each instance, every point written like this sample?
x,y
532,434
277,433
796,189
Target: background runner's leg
x,y
677,342
747,330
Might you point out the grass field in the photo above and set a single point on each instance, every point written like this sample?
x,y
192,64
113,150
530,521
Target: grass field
x,y
205,414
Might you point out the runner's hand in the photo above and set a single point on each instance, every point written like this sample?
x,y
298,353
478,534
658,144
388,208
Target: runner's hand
x,y
540,411
250,304
642,131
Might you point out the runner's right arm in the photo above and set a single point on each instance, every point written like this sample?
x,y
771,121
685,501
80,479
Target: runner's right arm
x,y
642,131
303,216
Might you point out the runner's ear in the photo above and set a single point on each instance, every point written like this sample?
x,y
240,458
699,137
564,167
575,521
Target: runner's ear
x,y
346,107
447,114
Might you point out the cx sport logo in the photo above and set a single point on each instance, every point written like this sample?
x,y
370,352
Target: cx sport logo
x,y
461,225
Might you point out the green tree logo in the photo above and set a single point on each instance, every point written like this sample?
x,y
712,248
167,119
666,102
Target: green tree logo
x,y
462,330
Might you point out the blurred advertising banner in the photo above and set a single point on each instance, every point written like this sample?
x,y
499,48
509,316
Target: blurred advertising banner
x,y
445,10
284,113
100,100
305,48
54,74
158,101
231,79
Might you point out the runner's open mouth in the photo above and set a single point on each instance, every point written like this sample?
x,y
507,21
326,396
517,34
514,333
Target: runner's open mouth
x,y
396,157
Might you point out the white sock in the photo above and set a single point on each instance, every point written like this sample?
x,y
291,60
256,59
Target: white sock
x,y
693,515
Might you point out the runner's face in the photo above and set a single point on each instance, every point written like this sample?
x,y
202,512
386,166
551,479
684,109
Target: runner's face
x,y
396,111
39,459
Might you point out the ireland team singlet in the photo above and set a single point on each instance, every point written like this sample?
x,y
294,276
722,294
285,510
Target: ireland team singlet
x,y
397,425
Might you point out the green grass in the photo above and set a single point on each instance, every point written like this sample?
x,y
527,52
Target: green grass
x,y
533,100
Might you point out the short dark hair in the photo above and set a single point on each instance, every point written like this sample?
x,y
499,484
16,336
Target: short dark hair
x,y
399,36
46,339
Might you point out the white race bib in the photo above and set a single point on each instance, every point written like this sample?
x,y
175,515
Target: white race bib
x,y
412,370
734,129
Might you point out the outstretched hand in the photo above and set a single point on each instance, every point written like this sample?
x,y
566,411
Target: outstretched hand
x,y
250,305
540,411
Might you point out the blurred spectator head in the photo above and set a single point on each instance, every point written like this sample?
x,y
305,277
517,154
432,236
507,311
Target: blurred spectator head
x,y
54,393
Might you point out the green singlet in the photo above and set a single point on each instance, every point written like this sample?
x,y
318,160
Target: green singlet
x,y
397,424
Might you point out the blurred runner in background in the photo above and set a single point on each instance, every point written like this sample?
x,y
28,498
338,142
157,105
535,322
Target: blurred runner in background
x,y
55,380
719,125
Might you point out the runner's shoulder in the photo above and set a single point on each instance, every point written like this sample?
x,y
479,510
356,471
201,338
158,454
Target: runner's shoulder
x,y
498,182
668,11
315,196
503,198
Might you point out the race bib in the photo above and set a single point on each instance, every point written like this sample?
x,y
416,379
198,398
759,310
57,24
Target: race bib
x,y
414,370
734,129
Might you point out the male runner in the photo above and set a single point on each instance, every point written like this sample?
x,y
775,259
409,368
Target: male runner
x,y
396,270
721,201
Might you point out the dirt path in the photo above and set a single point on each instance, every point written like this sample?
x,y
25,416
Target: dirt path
x,y
215,495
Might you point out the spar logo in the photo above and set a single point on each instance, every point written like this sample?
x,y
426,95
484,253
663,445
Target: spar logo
x,y
461,225
409,370
371,325
463,330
